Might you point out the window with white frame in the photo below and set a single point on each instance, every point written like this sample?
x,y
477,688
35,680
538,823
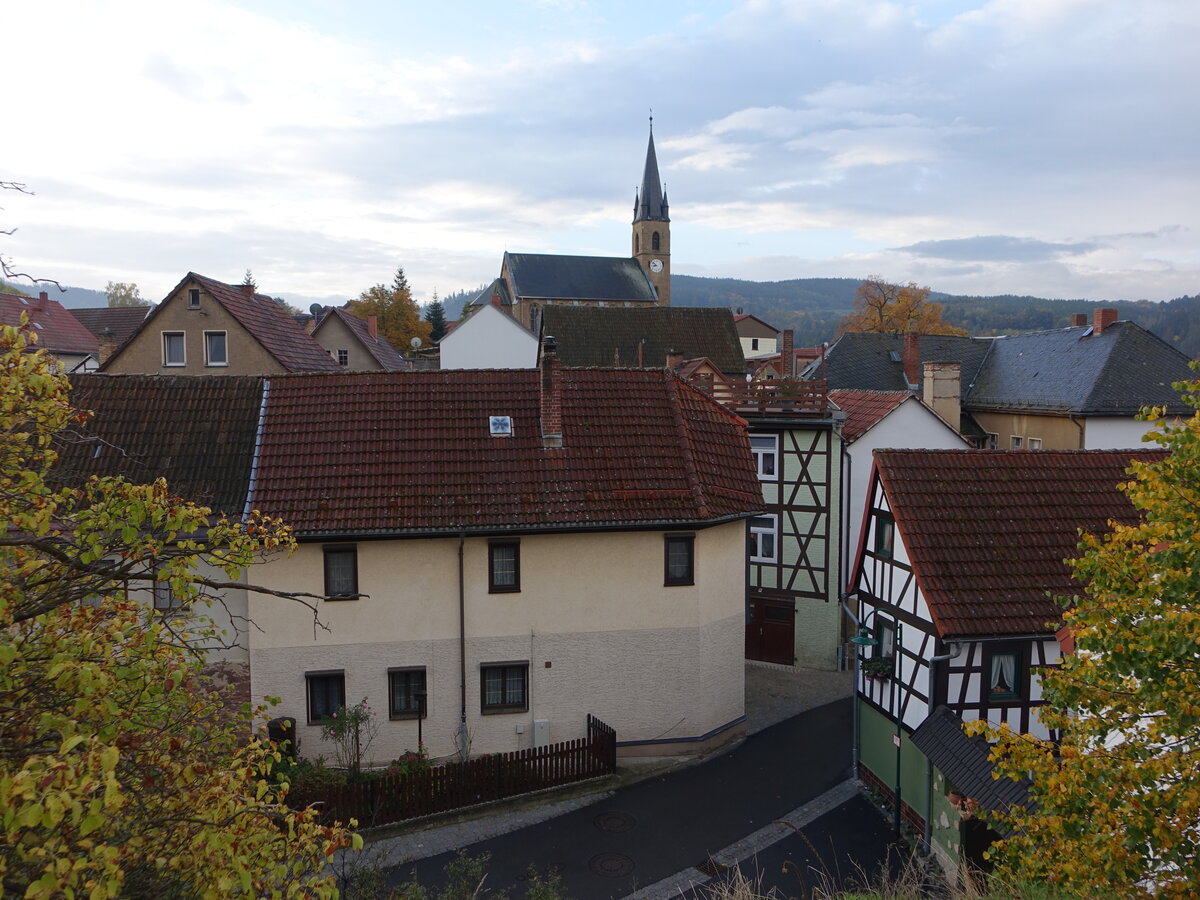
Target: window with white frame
x,y
1016,442
991,441
1035,443
765,448
885,634
216,351
343,357
173,349
764,538
193,298
165,598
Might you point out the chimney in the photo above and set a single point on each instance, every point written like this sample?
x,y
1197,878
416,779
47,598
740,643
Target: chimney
x,y
912,360
373,326
108,344
1102,318
943,390
247,289
787,354
674,360
496,299
551,395
1078,319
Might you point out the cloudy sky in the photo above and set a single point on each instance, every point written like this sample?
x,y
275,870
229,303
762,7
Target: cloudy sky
x,y
1047,147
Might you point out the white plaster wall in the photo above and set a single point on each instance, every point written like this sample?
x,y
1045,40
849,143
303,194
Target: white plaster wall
x,y
654,662
1115,433
225,611
489,339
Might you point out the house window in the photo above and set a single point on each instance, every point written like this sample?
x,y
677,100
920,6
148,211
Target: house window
x,y
173,351
765,448
215,352
1003,677
753,343
165,598
679,559
343,357
885,633
341,572
1015,442
885,535
1035,443
193,298
504,567
326,694
764,539
991,441
405,689
505,687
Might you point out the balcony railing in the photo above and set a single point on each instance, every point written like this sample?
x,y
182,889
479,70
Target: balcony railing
x,y
776,397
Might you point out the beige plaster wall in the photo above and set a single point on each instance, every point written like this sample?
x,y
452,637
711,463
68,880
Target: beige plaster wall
x,y
1055,432
599,630
144,354
334,335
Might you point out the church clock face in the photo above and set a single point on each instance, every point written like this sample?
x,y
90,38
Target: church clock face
x,y
656,265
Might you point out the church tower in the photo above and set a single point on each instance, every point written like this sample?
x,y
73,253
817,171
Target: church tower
x,y
652,227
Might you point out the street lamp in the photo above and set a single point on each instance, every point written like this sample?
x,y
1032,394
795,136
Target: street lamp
x,y
420,697
864,639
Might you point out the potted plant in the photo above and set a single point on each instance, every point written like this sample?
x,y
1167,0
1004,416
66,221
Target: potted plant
x,y
878,667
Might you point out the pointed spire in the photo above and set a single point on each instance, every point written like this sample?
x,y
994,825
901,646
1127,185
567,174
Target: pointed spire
x,y
651,204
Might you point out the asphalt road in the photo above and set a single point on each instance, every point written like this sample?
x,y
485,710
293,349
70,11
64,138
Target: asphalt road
x,y
655,828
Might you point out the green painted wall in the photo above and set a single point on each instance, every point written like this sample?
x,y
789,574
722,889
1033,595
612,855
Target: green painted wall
x,y
878,753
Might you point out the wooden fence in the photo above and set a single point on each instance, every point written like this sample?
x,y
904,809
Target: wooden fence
x,y
395,798
783,396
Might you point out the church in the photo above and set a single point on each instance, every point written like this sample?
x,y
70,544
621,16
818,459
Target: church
x,y
529,282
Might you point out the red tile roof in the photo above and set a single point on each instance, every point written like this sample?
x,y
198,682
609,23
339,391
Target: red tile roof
x,y
396,453
381,351
864,409
987,531
56,329
118,321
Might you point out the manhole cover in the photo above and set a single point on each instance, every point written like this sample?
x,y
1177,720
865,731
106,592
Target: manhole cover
x,y
614,821
611,865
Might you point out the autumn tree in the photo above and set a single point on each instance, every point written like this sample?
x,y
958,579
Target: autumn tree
x,y
1118,799
886,308
124,293
435,315
120,776
397,315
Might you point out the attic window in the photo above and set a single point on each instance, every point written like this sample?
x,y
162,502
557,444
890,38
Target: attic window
x,y
500,426
894,356
193,298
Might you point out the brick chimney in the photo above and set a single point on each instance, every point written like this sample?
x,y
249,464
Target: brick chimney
x,y
551,395
496,299
1078,319
247,289
107,342
787,354
943,390
1102,318
373,326
42,299
674,360
912,360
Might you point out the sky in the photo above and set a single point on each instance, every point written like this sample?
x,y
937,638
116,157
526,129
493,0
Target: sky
x,y
1044,147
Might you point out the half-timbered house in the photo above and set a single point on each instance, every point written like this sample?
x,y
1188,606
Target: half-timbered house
x,y
963,554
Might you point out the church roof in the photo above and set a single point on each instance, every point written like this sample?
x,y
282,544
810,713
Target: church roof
x,y
544,276
651,201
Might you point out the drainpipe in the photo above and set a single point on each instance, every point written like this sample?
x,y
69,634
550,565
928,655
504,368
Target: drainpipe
x,y
1075,421
462,648
956,649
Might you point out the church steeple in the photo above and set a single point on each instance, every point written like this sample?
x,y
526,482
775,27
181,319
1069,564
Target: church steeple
x,y
651,226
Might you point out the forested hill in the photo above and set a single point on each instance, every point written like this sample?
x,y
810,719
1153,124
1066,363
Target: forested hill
x,y
813,307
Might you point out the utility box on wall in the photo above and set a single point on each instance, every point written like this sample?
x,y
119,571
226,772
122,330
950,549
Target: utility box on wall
x,y
541,732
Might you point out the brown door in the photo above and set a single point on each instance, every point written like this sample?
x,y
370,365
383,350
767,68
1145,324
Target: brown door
x,y
771,631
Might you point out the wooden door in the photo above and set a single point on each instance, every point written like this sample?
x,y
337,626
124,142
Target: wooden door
x,y
771,631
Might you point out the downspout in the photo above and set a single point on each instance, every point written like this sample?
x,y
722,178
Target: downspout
x,y
1078,424
956,649
462,647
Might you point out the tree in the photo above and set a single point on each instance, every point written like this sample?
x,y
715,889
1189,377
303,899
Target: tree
x,y
249,280
124,293
1119,797
119,775
886,308
397,314
435,315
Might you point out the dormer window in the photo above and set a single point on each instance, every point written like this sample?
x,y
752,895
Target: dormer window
x,y
193,298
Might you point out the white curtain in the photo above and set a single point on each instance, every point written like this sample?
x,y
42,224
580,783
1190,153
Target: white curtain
x,y
1004,672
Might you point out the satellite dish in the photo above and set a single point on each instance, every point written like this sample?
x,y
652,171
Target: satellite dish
x,y
316,309
415,343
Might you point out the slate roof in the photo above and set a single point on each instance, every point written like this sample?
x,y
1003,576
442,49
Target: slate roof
x,y
987,531
542,276
651,200
964,761
197,431
484,297
411,454
589,335
56,329
381,351
120,321
875,362
865,409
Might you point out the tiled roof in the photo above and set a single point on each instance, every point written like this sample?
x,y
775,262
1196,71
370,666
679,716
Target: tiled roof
x,y
56,329
545,276
591,336
197,431
864,409
965,762
381,351
411,453
987,531
120,321
1116,372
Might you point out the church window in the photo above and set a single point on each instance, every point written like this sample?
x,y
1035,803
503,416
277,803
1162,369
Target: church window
x,y
636,245
654,241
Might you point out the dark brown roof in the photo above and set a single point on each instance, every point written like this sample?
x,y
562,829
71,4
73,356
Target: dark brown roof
x,y
197,431
411,453
593,336
864,409
56,329
119,321
381,351
987,531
